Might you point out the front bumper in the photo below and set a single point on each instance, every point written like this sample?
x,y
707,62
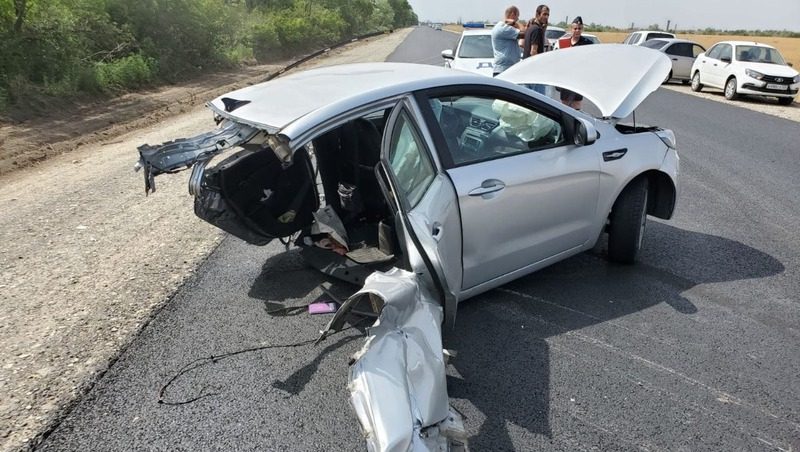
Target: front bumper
x,y
760,88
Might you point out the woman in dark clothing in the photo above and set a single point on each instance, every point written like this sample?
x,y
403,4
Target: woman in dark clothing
x,y
568,97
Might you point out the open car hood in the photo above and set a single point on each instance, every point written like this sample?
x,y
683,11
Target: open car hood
x,y
614,77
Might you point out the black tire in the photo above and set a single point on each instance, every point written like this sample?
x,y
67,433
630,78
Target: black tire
x,y
785,100
669,77
627,223
696,85
730,89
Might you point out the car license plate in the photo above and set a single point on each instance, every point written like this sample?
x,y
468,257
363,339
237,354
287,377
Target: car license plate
x,y
774,86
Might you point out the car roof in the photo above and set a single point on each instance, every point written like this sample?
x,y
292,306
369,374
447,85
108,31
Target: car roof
x,y
674,40
745,43
569,35
333,90
477,31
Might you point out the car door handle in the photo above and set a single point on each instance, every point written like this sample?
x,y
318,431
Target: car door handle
x,y
614,155
674,59
436,231
488,186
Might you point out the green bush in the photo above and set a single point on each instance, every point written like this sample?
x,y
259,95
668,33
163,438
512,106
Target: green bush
x,y
133,71
66,47
4,100
265,42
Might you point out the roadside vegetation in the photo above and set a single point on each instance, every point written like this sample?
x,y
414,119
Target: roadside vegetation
x,y
56,49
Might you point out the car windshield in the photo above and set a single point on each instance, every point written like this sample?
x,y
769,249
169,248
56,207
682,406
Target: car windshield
x,y
654,44
759,54
477,46
659,35
554,34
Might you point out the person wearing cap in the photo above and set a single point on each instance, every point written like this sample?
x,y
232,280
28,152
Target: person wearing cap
x,y
504,40
568,97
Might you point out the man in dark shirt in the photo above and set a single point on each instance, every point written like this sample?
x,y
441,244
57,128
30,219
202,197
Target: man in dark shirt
x,y
534,36
568,97
535,40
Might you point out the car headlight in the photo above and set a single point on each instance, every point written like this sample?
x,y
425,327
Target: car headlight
x,y
668,137
755,74
796,79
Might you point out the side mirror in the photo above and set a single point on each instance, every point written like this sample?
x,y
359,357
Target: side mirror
x,y
585,132
790,64
447,54
725,59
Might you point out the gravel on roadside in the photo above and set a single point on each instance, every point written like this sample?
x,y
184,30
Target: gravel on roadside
x,y
86,260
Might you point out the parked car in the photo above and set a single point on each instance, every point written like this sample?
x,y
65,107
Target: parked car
x,y
682,53
437,185
473,53
743,67
552,34
591,37
638,38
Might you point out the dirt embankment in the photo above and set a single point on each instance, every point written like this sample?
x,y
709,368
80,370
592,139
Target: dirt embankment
x,y
85,257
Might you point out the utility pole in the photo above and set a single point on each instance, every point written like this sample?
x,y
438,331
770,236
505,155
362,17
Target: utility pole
x,y
668,21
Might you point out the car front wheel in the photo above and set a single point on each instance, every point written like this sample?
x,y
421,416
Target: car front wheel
x,y
785,100
627,223
696,85
730,89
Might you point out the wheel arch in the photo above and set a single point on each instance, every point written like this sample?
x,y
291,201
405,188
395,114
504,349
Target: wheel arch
x,y
662,193
661,202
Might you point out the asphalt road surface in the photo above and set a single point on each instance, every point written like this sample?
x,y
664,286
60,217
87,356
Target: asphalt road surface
x,y
694,348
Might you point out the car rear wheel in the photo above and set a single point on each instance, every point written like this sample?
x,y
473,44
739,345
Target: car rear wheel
x,y
730,89
627,223
785,100
696,85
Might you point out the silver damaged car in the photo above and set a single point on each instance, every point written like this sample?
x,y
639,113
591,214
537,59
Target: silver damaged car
x,y
426,186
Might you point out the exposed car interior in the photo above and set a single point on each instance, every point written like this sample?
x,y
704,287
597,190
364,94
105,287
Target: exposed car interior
x,y
328,199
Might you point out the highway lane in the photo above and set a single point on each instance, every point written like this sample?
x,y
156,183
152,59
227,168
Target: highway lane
x,y
694,348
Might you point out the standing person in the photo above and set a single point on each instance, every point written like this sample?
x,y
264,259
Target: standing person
x,y
535,39
504,40
535,43
568,97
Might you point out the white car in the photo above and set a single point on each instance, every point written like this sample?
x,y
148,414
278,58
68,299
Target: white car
x,y
682,53
429,186
638,38
743,67
552,34
474,52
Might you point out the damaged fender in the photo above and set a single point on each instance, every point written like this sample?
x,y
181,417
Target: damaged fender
x,y
397,382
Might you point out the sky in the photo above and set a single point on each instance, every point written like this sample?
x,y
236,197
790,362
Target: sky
x,y
686,14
